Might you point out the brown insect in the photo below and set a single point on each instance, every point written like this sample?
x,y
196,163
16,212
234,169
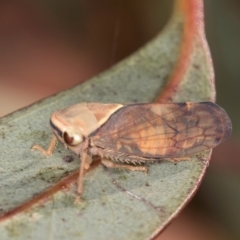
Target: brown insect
x,y
137,133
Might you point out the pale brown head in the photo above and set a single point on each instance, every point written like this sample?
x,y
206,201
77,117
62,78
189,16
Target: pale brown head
x,y
73,125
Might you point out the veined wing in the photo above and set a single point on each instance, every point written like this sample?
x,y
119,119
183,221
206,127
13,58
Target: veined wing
x,y
164,130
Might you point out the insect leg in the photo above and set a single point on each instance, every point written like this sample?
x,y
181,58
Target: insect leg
x,y
50,149
178,159
109,164
81,172
86,160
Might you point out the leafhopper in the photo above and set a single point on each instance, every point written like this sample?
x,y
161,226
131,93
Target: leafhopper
x,y
125,136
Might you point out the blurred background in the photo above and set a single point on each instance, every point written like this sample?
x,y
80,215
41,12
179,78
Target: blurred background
x,y
47,46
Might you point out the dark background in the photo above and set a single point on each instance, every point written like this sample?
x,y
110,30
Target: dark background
x,y
48,46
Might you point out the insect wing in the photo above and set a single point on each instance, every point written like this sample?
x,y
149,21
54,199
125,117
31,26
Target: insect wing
x,y
163,130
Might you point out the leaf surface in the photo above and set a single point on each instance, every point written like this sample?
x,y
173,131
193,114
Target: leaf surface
x,y
37,193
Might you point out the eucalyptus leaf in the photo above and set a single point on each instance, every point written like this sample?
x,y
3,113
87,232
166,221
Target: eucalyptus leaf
x,y
116,204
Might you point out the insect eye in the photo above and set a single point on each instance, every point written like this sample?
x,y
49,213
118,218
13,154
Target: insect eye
x,y
72,138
